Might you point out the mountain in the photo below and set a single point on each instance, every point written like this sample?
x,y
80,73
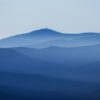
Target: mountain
x,y
73,56
65,42
33,37
65,63
12,61
49,65
44,38
18,86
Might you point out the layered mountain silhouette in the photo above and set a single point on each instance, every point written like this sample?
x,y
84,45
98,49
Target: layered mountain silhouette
x,y
45,38
49,65
55,62
20,86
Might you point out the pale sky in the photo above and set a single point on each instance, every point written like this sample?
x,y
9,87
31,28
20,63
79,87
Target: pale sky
x,y
67,16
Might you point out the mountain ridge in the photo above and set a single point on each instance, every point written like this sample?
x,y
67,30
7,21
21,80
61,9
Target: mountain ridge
x,y
40,39
46,60
51,30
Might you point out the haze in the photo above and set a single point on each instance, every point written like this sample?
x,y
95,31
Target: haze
x,y
67,16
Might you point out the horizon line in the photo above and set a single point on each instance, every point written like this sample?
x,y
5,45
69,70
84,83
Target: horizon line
x,y
46,28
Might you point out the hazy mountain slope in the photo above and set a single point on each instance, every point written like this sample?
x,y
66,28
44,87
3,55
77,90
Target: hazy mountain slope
x,y
69,42
75,55
25,86
32,82
13,61
33,37
50,63
67,68
46,37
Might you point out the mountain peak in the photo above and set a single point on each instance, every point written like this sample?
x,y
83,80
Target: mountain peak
x,y
46,30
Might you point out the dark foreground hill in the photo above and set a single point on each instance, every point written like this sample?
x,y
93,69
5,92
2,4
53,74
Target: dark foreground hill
x,y
16,86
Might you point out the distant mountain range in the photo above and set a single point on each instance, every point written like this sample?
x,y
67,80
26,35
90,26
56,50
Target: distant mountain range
x,y
50,64
46,50
45,38
74,63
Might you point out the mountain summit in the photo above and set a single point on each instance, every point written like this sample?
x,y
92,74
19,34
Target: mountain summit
x,y
46,30
46,37
31,38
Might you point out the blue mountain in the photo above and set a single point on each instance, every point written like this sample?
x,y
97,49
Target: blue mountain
x,y
31,38
45,38
54,62
27,73
19,86
49,65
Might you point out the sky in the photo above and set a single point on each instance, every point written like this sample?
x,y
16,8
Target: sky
x,y
67,16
